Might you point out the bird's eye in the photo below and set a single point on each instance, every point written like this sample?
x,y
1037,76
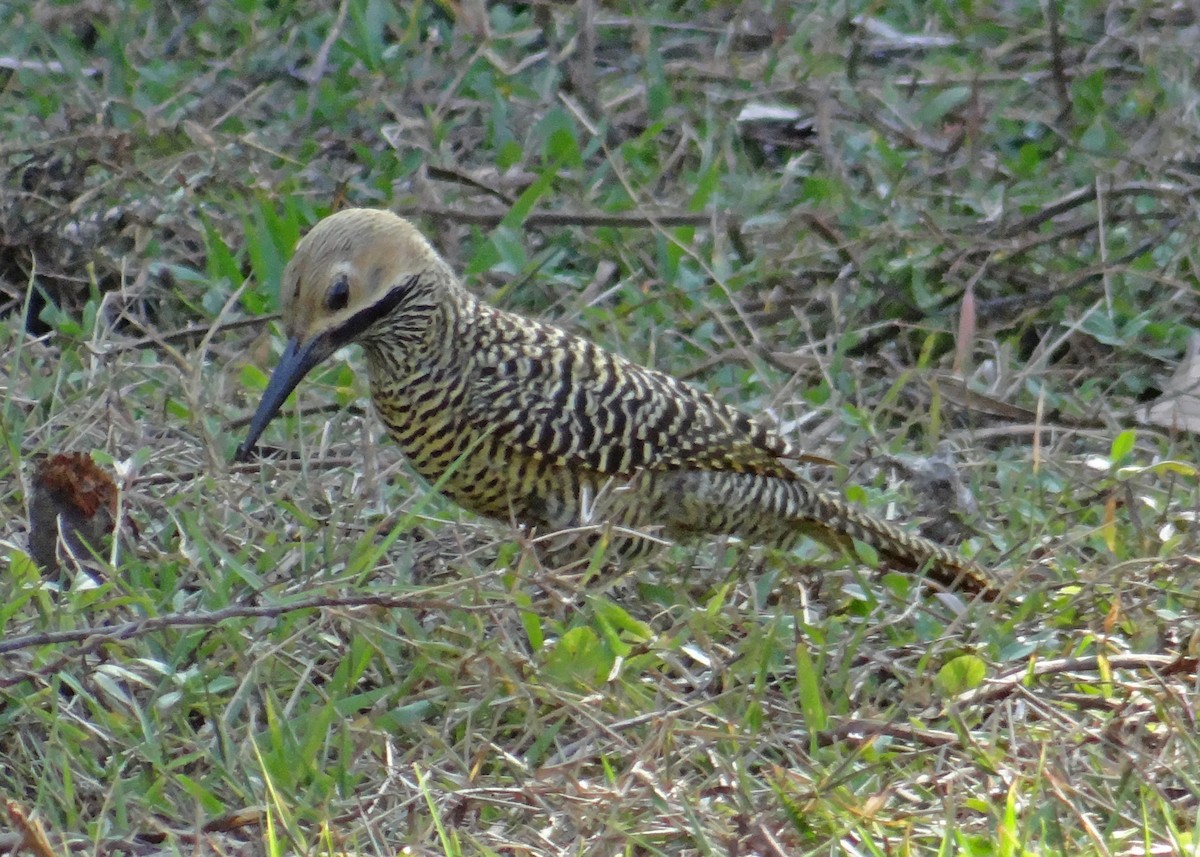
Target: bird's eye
x,y
338,296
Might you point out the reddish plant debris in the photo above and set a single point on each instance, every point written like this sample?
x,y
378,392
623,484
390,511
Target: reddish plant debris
x,y
74,498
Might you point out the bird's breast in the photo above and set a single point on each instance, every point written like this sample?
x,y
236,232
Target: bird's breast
x,y
428,414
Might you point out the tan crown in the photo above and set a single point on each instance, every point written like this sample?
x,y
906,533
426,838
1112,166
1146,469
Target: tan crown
x,y
372,250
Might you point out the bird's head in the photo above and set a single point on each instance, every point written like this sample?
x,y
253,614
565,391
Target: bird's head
x,y
357,273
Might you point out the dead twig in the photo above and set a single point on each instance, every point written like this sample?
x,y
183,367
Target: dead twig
x,y
1058,67
183,334
860,731
536,219
1004,685
97,636
32,835
1087,194
1005,307
317,70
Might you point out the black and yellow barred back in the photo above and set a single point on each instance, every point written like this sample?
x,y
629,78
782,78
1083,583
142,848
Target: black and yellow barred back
x,y
522,421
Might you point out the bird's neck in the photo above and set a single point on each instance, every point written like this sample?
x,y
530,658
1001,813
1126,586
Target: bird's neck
x,y
423,336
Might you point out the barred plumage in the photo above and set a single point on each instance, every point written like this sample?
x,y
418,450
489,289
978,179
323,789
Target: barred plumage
x,y
519,420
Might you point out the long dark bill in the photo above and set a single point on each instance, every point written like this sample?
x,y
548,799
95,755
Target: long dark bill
x,y
297,360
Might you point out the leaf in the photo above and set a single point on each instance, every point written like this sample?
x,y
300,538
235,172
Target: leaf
x,y
1108,529
560,144
1161,468
958,675
579,657
943,103
1122,446
253,378
808,686
532,624
617,618
955,390
527,200
1178,408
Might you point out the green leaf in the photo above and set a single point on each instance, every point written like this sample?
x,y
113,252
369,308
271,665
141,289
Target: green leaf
x,y
532,624
1097,137
22,570
658,93
527,200
508,154
1161,468
942,103
579,657
617,625
486,257
222,263
560,141
1027,161
808,687
254,378
707,184
866,554
1122,446
961,674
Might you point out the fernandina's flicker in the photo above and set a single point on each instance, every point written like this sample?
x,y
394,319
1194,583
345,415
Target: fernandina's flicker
x,y
518,420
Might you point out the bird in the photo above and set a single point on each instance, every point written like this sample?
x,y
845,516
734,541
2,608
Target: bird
x,y
519,420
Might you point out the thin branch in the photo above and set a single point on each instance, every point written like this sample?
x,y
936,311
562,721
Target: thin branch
x,y
94,637
1084,195
1058,67
537,219
183,334
317,70
1014,303
1007,683
457,176
860,731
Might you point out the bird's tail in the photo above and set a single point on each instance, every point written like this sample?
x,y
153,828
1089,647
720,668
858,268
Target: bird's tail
x,y
778,509
907,550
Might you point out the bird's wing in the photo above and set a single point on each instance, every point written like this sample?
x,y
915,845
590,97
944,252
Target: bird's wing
x,y
562,397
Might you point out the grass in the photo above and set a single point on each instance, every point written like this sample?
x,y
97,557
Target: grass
x,y
975,232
